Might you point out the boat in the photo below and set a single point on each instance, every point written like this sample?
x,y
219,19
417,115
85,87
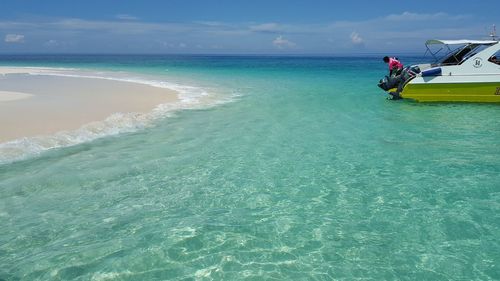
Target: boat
x,y
469,71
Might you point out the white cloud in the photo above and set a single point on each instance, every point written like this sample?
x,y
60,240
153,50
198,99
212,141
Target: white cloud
x,y
408,16
51,43
282,43
117,27
356,39
210,23
266,28
126,17
14,38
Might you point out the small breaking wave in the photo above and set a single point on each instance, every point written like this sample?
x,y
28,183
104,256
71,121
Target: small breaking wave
x,y
189,98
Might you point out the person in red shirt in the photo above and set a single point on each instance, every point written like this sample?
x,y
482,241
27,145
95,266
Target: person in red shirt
x,y
395,66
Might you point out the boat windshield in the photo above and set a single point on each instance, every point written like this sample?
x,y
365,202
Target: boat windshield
x,y
455,56
476,50
453,52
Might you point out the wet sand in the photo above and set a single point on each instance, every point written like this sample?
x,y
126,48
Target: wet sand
x,y
32,105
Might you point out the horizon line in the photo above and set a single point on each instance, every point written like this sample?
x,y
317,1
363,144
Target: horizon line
x,y
219,54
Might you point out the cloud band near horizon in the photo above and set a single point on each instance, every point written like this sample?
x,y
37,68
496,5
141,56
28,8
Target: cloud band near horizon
x,y
126,33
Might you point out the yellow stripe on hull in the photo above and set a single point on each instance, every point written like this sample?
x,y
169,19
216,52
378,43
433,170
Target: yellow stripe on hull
x,y
452,92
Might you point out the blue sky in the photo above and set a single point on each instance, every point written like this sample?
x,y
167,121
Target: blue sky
x,y
238,26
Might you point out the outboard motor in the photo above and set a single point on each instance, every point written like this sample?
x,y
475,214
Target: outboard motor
x,y
393,85
388,83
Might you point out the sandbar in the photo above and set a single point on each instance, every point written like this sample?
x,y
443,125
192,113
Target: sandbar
x,y
11,96
11,70
33,105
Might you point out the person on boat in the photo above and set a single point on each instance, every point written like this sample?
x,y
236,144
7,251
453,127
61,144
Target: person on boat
x,y
395,66
494,59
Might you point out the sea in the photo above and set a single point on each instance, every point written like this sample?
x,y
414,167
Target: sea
x,y
268,168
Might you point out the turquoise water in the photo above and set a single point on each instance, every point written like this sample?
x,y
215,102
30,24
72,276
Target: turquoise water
x,y
308,173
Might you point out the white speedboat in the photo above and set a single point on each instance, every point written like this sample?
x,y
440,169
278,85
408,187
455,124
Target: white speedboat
x,y
469,71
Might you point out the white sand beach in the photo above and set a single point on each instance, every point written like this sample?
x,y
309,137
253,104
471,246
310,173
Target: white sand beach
x,y
11,96
32,105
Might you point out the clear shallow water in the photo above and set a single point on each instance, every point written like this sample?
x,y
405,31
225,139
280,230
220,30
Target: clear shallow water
x,y
309,175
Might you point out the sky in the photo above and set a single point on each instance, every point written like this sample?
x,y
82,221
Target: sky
x,y
238,26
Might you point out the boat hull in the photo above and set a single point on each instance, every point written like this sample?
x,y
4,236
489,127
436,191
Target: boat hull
x,y
453,92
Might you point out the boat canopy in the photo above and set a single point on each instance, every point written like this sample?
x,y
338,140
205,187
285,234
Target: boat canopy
x,y
460,42
455,51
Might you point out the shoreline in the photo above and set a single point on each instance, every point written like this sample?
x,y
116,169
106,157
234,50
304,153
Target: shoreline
x,y
36,101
